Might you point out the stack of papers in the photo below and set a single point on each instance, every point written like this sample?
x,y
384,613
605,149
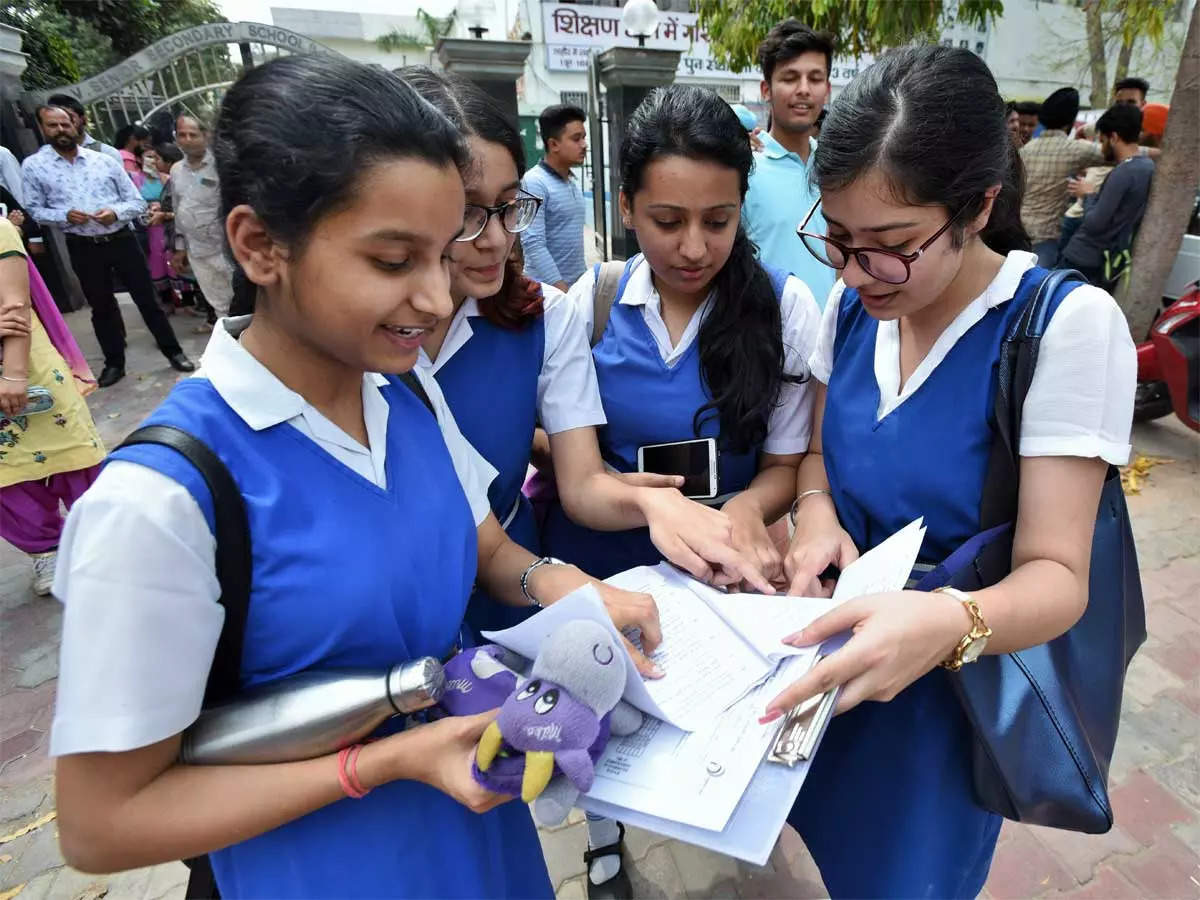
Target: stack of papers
x,y
696,770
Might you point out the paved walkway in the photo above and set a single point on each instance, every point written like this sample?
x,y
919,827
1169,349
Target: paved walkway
x,y
1153,852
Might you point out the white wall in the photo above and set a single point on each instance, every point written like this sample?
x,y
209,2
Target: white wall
x,y
1038,47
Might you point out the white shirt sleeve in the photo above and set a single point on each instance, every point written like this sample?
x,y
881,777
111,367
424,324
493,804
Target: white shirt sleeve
x,y
1080,402
141,618
580,296
789,427
474,472
567,393
821,361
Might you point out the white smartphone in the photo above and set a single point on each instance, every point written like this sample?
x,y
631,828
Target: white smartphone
x,y
695,460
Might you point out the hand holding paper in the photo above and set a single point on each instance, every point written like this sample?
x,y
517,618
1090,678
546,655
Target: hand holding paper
x,y
898,636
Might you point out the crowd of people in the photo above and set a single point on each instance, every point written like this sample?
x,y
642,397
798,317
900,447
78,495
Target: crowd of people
x,y
1073,219
824,301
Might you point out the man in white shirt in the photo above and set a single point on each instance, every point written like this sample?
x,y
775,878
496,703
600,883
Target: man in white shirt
x,y
199,228
90,198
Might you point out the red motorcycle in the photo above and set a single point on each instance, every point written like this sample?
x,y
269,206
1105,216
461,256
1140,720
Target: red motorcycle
x,y
1169,364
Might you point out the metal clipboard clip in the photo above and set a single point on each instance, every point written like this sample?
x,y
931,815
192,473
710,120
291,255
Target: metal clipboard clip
x,y
802,728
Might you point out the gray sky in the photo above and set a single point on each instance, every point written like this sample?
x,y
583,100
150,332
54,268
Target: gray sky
x,y
260,10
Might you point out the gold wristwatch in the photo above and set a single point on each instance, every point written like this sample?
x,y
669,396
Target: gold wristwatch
x,y
971,647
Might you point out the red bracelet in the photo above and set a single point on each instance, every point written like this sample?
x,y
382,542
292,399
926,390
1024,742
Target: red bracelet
x,y
352,770
351,786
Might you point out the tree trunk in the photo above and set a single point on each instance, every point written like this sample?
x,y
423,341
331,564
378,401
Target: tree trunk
x,y
1097,57
1172,195
1123,58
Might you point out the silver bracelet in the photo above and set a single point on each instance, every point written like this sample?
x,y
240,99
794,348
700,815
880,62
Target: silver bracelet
x,y
796,502
10,378
537,563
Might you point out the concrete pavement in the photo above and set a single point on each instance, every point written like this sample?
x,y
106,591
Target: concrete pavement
x,y
1154,850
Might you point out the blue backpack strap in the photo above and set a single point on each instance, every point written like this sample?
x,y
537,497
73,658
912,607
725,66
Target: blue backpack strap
x,y
778,278
1038,292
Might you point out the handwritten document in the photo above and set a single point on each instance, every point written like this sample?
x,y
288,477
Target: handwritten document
x,y
707,665
698,778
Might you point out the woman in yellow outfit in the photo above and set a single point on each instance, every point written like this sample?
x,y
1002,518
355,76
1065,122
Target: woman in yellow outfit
x,y
50,456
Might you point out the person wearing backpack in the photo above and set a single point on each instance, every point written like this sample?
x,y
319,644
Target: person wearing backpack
x,y
921,194
367,517
693,337
514,356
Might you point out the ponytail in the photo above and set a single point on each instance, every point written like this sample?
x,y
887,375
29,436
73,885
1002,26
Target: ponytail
x,y
1004,230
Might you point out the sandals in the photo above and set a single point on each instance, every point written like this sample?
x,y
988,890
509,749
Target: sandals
x,y
619,886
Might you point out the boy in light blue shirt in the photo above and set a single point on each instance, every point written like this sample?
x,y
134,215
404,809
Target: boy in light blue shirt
x,y
795,62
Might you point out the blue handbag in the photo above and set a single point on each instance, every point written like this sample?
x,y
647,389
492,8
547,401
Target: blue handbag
x,y
1045,719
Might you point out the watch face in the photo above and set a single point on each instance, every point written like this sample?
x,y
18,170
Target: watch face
x,y
974,650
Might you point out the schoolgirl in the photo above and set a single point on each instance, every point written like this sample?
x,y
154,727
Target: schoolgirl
x,y
701,341
920,190
514,355
369,521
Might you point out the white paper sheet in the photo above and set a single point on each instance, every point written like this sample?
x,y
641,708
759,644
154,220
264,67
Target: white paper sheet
x,y
696,779
707,665
885,567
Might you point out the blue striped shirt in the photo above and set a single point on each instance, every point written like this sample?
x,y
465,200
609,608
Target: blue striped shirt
x,y
553,244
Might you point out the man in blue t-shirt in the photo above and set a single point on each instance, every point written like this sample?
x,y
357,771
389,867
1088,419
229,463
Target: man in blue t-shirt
x,y
795,63
553,244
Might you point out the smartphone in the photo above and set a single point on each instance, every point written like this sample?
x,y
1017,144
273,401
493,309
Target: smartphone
x,y
695,460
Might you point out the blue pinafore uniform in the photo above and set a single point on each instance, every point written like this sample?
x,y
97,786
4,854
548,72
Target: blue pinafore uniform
x,y
888,808
646,402
347,574
491,385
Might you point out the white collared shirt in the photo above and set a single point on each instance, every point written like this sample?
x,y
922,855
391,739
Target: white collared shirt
x,y
54,185
789,427
141,617
1080,402
196,194
567,394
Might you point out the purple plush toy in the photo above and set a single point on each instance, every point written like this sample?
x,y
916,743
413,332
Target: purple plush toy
x,y
559,720
478,679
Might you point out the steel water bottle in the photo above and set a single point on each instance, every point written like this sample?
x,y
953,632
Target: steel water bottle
x,y
310,714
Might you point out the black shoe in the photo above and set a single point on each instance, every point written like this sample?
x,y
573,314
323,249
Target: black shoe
x,y
181,363
110,375
619,886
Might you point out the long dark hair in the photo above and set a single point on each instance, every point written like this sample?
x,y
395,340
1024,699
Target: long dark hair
x,y
295,135
741,340
932,120
476,114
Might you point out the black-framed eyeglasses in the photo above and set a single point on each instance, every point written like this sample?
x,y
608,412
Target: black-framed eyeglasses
x,y
888,266
516,215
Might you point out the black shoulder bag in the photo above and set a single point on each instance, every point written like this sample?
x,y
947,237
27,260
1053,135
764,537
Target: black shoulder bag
x,y
1045,718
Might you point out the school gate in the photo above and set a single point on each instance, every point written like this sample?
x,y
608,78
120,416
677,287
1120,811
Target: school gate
x,y
186,72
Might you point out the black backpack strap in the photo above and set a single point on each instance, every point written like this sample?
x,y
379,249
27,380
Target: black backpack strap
x,y
233,558
414,384
1018,360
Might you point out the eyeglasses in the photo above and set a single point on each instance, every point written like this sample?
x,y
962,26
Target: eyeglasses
x,y
888,266
516,215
